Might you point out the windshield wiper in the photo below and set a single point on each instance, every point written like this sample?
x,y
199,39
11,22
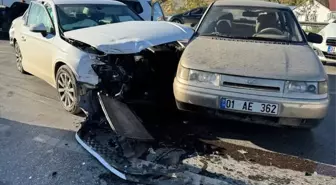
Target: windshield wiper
x,y
216,34
269,39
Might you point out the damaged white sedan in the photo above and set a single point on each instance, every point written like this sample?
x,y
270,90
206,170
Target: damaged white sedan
x,y
77,46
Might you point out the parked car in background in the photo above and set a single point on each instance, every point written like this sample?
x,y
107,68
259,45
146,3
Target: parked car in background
x,y
144,8
8,14
190,17
260,71
326,50
80,45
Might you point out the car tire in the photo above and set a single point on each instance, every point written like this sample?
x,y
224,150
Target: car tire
x,y
177,21
67,90
18,56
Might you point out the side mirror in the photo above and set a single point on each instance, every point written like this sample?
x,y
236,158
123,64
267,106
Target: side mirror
x,y
314,38
39,28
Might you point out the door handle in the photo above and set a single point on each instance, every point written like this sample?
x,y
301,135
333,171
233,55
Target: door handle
x,y
23,38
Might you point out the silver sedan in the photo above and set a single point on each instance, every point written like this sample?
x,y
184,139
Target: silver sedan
x,y
250,61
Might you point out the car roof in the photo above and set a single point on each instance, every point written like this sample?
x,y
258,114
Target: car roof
x,y
251,3
112,2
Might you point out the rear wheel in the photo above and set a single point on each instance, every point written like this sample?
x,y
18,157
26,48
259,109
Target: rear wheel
x,y
18,57
67,89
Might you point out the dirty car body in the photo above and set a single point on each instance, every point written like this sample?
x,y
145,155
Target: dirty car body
x,y
250,61
79,46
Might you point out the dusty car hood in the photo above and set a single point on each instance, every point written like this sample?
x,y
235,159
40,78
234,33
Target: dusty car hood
x,y
253,59
130,37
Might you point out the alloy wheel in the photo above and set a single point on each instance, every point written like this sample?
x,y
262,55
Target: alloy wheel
x,y
18,56
66,90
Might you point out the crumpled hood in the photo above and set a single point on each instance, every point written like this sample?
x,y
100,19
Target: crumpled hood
x,y
253,59
130,37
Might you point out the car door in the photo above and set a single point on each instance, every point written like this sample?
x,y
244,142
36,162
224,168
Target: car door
x,y
158,14
194,16
37,47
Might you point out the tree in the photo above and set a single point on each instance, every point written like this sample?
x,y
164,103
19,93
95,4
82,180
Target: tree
x,y
308,10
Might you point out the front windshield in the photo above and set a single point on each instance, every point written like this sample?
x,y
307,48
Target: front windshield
x,y
76,16
251,23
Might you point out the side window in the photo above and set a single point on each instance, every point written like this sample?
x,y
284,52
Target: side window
x,y
50,11
196,11
186,14
38,15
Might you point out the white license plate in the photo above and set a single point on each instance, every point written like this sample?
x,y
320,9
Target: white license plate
x,y
249,106
331,49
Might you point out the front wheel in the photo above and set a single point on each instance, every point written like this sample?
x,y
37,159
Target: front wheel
x,y
67,89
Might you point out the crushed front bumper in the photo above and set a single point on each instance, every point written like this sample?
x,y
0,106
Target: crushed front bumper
x,y
289,108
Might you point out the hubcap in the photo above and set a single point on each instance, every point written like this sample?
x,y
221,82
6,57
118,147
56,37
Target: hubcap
x,y
18,58
66,90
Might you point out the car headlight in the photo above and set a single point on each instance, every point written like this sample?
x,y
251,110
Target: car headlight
x,y
197,76
318,52
204,77
306,87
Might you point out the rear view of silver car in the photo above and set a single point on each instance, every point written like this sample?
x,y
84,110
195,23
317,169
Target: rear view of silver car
x,y
250,61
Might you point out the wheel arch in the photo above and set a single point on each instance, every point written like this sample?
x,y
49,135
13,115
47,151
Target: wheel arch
x,y
177,18
57,65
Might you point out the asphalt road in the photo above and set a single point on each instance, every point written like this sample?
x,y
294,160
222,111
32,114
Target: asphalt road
x,y
38,147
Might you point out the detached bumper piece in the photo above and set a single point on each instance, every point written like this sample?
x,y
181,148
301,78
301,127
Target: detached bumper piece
x,y
122,120
115,136
103,146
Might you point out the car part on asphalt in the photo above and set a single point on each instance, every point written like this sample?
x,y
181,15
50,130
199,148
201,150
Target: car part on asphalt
x,y
133,88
